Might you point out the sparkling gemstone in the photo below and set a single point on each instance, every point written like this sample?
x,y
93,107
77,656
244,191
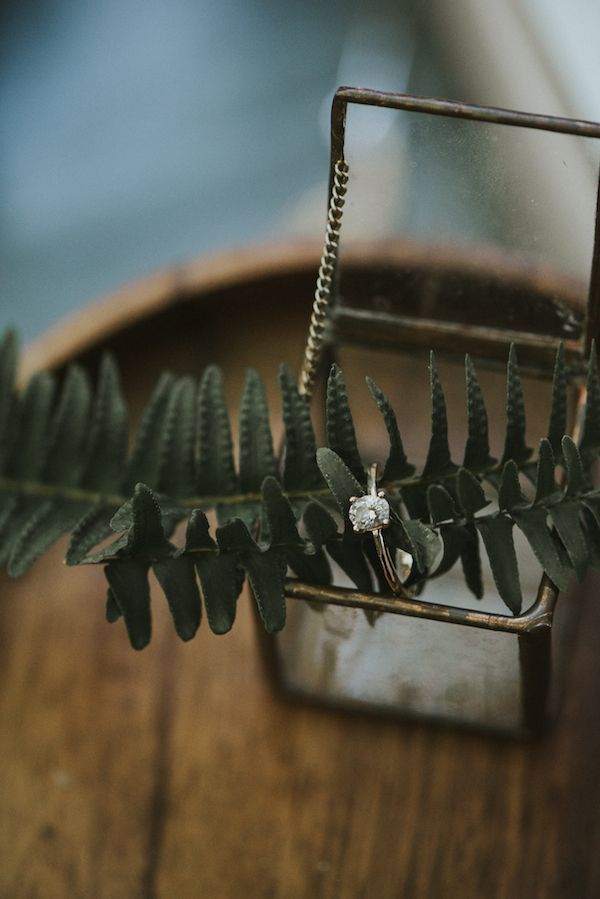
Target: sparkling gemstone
x,y
369,512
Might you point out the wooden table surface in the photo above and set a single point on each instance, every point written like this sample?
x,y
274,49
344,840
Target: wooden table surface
x,y
175,772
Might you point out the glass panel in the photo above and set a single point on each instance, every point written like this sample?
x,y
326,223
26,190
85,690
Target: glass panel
x,y
451,181
501,210
413,666
403,665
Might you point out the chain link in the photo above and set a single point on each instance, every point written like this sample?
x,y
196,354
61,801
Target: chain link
x,y
323,292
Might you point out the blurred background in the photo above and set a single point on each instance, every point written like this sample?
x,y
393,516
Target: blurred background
x,y
136,135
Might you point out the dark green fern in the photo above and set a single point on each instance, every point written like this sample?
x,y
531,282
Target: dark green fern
x,y
64,468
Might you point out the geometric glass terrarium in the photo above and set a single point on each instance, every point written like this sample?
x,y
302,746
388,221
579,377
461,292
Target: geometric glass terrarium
x,y
444,654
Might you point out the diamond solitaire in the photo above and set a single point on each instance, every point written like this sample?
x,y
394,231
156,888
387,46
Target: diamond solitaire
x,y
369,513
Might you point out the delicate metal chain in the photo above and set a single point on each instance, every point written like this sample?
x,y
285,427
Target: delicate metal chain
x,y
322,303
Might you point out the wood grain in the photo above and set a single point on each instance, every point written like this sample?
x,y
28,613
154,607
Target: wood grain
x,y
177,771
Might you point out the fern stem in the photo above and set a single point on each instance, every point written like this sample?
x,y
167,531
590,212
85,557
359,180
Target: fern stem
x,y
90,497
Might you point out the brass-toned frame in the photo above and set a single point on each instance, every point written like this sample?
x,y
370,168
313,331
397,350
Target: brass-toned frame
x,y
533,627
491,115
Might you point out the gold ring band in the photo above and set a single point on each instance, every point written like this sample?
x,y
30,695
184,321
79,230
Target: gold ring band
x,y
371,513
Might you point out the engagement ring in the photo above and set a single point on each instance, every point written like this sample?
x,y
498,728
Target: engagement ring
x,y
372,513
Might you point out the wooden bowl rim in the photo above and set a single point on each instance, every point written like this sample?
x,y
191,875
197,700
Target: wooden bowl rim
x,y
141,299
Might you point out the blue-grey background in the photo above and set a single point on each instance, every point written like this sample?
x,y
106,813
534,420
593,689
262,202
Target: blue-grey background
x,y
136,133
139,133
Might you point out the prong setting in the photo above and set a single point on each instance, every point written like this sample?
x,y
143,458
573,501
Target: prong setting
x,y
369,513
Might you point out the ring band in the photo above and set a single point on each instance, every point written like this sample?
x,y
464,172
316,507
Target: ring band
x,y
371,513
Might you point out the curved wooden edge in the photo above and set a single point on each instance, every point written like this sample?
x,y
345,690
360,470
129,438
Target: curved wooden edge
x,y
98,321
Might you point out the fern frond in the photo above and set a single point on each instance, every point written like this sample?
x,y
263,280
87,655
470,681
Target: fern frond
x,y
590,434
397,465
545,485
265,570
32,423
92,528
440,504
470,559
64,469
8,399
257,459
129,595
497,536
341,435
68,431
477,450
471,497
557,426
148,452
219,574
566,517
107,442
515,446
577,479
176,476
177,578
534,525
509,493
300,465
438,455
43,527
215,468
323,533
340,479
